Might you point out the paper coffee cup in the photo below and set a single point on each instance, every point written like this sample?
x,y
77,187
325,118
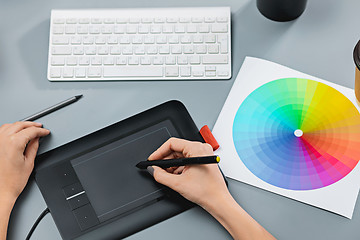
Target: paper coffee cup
x,y
357,71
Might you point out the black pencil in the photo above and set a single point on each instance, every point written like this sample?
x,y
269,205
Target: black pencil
x,y
52,108
166,163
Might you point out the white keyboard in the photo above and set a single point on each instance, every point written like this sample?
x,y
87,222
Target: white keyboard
x,y
140,44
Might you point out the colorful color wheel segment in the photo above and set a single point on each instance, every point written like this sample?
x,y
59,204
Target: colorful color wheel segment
x,y
297,134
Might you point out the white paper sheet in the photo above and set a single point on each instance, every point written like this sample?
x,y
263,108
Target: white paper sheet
x,y
339,197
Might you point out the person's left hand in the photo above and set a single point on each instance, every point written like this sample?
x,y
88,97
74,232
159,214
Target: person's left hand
x,y
19,143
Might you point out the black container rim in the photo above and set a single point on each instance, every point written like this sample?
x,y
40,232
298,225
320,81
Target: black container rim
x,y
356,55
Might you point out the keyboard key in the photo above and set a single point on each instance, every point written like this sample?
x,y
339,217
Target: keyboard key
x,y
210,38
198,39
108,60
121,60
133,60
185,71
71,61
201,49
55,72
57,61
119,29
185,39
145,60
61,50
71,21
84,20
164,49
100,40
209,19
224,45
80,72
215,59
222,19
172,71
88,39
115,50
76,40
179,28
173,39
170,60
58,30
131,29
159,20
182,60
122,20
134,20
204,28
213,49
171,19
58,20
168,29
184,19
143,71
144,29
158,60
84,61
155,29
96,61
176,49
82,30
94,29
109,20
107,29
103,50
219,28
188,49
223,73
70,29
139,50
210,74
94,72
197,19
68,72
96,21
60,40
78,50
194,59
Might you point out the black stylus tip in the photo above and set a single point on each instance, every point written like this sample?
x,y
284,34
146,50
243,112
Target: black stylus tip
x,y
78,96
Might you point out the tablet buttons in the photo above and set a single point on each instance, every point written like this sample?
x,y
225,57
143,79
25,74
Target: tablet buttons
x,y
73,190
66,174
78,201
86,217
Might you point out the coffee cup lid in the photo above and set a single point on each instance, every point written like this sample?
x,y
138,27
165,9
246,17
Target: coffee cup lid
x,y
356,55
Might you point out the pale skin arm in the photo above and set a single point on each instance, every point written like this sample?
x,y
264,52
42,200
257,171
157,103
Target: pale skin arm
x,y
205,186
19,143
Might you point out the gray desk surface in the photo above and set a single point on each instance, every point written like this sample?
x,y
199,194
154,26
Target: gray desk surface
x,y
319,43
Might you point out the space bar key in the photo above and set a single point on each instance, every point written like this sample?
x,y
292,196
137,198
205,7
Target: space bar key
x,y
142,71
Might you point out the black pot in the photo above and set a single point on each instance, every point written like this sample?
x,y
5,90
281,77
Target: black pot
x,y
281,10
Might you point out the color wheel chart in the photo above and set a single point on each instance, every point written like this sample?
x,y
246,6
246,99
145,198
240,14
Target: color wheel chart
x,y
297,134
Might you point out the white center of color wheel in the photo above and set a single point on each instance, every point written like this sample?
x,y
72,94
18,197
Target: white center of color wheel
x,y
298,133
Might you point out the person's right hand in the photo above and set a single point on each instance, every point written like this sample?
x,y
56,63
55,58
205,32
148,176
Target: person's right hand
x,y
19,143
197,183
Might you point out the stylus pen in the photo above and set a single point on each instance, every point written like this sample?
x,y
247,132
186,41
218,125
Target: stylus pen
x,y
52,108
166,163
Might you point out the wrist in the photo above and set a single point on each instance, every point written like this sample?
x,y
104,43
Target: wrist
x,y
215,204
7,200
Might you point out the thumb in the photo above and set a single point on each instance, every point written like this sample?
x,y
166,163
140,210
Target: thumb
x,y
165,178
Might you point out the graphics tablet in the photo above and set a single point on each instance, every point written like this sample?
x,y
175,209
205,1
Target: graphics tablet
x,y
94,190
